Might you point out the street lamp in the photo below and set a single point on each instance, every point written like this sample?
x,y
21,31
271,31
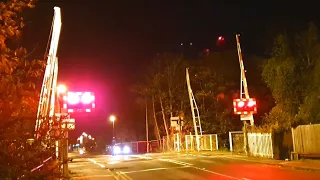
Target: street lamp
x,y
61,89
112,118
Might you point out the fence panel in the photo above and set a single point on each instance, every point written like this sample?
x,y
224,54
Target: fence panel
x,y
306,138
260,144
208,142
134,147
236,140
154,146
166,143
178,142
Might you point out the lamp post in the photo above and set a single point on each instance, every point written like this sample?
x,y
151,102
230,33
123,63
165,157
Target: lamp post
x,y
61,90
112,118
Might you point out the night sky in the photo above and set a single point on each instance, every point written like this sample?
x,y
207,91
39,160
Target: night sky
x,y
105,45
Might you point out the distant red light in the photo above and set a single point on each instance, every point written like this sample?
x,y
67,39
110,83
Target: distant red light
x,y
207,50
220,38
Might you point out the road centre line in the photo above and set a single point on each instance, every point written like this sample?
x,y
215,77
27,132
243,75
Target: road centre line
x,y
113,175
103,166
122,175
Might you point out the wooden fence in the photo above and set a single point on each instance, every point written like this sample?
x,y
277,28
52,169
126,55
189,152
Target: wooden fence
x,y
306,139
260,144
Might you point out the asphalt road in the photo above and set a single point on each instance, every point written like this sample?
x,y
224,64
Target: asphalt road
x,y
179,167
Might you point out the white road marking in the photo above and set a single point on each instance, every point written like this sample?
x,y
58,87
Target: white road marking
x,y
93,176
113,175
201,169
141,156
176,162
95,162
155,169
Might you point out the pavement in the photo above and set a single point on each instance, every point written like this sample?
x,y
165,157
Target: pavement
x,y
188,166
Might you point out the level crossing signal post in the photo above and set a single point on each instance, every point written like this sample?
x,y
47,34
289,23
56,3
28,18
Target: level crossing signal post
x,y
244,106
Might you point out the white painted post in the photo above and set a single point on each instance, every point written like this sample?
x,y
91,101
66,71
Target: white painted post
x,y
217,145
174,142
292,131
186,136
210,142
192,148
178,143
230,141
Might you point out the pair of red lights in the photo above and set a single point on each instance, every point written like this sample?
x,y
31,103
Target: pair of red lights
x,y
245,106
79,97
249,104
79,102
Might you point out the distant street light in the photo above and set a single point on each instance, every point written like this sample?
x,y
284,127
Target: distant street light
x,y
112,118
61,89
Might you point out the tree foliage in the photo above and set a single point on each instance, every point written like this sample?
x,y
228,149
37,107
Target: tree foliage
x,y
19,95
292,76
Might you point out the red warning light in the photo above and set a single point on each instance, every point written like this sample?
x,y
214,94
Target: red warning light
x,y
245,106
79,102
240,104
221,38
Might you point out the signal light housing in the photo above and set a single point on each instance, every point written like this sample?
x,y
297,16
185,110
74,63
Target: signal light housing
x,y
79,102
245,106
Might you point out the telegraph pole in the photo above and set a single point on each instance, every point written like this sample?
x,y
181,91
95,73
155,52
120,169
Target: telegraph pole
x,y
147,127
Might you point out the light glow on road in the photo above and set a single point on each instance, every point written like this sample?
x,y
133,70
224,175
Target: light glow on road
x,y
141,157
113,162
81,151
116,158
